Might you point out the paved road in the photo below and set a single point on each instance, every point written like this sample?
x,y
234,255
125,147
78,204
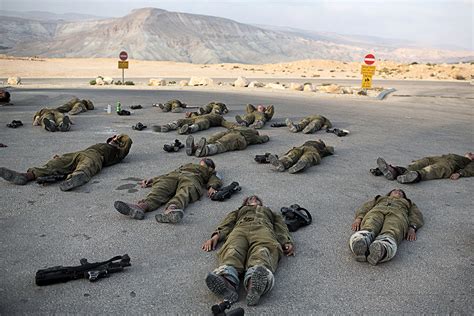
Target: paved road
x,y
42,226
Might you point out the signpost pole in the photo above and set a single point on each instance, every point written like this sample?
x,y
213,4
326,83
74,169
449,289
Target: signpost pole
x,y
123,73
123,64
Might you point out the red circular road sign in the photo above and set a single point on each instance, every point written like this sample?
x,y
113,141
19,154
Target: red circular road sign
x,y
369,59
123,55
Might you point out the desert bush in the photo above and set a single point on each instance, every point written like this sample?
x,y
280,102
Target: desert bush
x,y
459,77
118,83
414,63
92,82
129,83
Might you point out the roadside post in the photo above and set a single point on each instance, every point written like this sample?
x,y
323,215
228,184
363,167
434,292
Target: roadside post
x,y
367,71
123,64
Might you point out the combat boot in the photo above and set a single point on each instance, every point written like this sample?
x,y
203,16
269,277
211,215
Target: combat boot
x,y
389,172
292,127
310,127
172,215
16,177
76,180
135,211
65,125
220,286
257,285
201,111
300,165
201,148
162,107
240,121
273,159
409,177
77,108
377,252
188,129
49,125
208,150
257,124
190,147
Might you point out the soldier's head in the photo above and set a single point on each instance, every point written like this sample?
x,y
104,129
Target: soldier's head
x,y
208,162
252,200
397,193
121,141
261,108
469,155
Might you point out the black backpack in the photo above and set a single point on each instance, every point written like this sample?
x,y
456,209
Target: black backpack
x,y
295,217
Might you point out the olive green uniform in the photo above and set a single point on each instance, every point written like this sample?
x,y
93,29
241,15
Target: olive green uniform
x,y
76,106
181,186
253,116
52,115
309,154
195,124
253,236
213,107
444,166
89,161
174,106
309,124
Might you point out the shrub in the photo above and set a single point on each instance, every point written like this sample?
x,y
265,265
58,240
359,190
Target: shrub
x,y
118,83
414,63
92,82
460,77
129,83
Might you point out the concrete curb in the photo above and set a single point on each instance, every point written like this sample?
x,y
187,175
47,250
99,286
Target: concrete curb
x,y
384,93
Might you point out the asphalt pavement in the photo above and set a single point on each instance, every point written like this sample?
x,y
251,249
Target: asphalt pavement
x,y
40,226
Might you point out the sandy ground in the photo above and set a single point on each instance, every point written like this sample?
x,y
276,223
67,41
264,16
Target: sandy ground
x,y
311,69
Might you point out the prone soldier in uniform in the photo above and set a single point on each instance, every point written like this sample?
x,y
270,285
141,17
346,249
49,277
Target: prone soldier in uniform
x,y
381,224
174,106
52,120
194,124
255,238
214,107
76,106
302,157
256,117
175,189
437,167
236,138
309,124
79,167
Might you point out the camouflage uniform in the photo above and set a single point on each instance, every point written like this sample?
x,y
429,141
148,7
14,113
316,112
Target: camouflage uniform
x,y
181,186
52,120
237,138
385,219
254,118
195,124
174,106
76,106
309,124
302,157
213,107
253,237
86,163
428,168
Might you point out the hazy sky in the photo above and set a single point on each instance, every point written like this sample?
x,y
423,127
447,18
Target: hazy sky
x,y
437,22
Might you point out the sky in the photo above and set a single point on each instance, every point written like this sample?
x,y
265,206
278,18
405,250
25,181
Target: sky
x,y
441,23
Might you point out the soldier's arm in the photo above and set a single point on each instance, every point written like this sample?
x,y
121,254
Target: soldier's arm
x,y
281,230
367,206
260,139
467,171
250,108
226,226
214,182
415,218
269,112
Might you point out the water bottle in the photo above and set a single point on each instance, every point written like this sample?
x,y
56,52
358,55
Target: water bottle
x,y
109,108
118,107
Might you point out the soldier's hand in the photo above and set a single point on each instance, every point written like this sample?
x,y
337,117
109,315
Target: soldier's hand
x,y
55,156
455,176
411,235
210,244
289,249
145,183
211,192
356,224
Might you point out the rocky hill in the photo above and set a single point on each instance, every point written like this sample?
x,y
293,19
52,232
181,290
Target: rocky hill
x,y
155,34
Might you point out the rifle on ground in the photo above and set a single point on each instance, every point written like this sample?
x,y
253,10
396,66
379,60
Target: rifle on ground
x,y
51,179
226,192
91,271
219,309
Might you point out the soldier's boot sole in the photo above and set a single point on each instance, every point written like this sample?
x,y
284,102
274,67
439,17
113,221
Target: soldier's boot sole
x,y
409,177
201,148
183,129
220,287
360,250
291,126
74,182
376,253
297,167
161,106
385,169
172,217
258,281
130,210
190,145
49,126
276,163
65,125
13,176
309,128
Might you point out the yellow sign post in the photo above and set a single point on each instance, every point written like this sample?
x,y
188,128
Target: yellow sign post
x,y
123,64
367,73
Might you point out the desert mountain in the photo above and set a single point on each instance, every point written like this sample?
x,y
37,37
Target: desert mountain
x,y
155,34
